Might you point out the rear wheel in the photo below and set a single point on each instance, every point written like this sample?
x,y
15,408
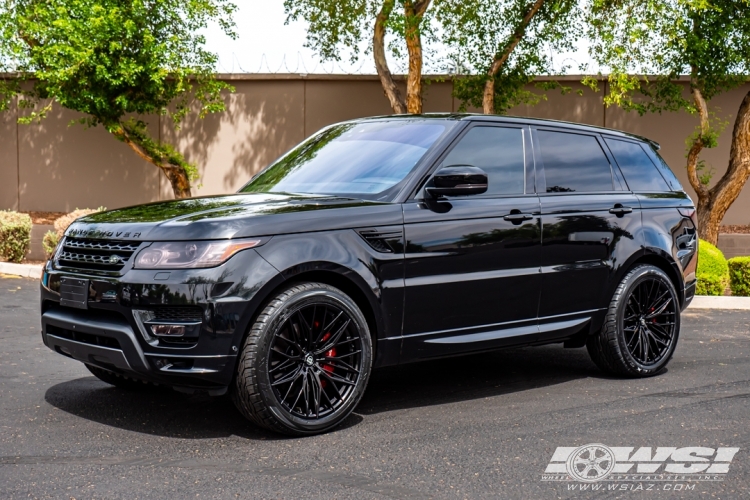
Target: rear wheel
x,y
642,325
119,381
305,363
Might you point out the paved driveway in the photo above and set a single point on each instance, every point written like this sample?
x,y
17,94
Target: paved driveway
x,y
479,426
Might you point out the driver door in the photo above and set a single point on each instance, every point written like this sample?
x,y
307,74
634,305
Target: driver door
x,y
473,262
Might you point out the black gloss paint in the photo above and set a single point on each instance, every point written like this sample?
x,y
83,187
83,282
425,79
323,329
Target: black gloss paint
x,y
435,277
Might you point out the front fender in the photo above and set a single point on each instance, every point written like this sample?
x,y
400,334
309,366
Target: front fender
x,y
379,276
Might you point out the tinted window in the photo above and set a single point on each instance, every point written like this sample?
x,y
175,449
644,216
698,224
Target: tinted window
x,y
573,163
496,150
665,170
639,171
365,160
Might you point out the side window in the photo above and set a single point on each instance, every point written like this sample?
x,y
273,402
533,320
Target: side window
x,y
573,163
639,171
496,150
665,170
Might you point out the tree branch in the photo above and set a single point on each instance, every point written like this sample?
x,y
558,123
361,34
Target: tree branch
x,y
177,175
381,63
488,99
698,143
414,13
726,191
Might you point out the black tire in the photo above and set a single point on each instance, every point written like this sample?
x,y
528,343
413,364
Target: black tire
x,y
638,339
119,381
287,351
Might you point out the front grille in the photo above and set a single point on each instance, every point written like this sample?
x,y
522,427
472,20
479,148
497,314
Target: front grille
x,y
103,255
178,314
84,338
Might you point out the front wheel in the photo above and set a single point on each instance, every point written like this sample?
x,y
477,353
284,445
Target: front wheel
x,y
640,331
306,362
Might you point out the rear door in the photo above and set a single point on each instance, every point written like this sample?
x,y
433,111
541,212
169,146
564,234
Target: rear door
x,y
660,196
589,220
472,262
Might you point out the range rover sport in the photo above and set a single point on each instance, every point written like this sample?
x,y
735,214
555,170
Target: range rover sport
x,y
378,242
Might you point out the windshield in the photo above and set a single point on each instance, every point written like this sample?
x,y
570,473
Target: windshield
x,y
362,160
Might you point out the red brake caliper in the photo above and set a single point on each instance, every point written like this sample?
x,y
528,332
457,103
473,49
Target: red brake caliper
x,y
329,354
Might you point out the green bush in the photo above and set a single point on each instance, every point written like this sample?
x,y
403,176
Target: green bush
x,y
49,242
713,271
15,235
739,276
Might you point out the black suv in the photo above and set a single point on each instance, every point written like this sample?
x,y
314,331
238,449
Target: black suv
x,y
377,242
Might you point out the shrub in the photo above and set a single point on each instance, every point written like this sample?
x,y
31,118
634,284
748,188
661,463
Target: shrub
x,y
739,276
15,235
63,222
49,242
713,271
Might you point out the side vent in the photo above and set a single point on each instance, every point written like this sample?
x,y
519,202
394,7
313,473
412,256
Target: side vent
x,y
382,238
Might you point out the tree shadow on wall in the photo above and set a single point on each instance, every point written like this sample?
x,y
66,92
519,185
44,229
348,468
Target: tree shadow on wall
x,y
231,146
268,135
64,166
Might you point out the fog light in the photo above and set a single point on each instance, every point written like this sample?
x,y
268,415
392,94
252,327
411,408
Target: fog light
x,y
168,330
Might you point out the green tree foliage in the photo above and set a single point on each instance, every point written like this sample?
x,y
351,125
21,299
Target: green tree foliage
x,y
707,40
502,45
111,59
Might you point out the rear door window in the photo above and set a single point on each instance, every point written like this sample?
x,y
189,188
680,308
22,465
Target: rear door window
x,y
573,163
496,150
639,171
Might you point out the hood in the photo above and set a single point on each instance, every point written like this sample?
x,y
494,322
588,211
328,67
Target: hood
x,y
234,216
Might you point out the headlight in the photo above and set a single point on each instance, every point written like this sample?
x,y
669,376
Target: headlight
x,y
190,254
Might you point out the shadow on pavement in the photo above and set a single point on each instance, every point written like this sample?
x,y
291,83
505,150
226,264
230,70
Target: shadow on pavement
x,y
163,412
473,377
160,412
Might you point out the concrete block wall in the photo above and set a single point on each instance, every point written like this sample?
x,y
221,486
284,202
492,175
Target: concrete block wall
x,y
734,245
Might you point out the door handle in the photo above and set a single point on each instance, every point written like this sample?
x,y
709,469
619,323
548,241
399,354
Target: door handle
x,y
517,218
620,210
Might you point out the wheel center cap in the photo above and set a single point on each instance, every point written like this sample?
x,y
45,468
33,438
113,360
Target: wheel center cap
x,y
643,321
309,360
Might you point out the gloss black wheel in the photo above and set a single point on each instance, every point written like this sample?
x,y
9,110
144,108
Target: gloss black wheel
x,y
649,321
642,325
306,361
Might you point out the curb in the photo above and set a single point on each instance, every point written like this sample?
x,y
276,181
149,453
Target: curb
x,y
720,302
23,270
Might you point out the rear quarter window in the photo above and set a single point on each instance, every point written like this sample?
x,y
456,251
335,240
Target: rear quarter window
x,y
641,174
664,169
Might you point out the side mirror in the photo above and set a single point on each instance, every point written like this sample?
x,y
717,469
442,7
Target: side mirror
x,y
457,180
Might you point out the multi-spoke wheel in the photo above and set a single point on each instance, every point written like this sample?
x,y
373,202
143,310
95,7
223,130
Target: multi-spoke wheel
x,y
642,325
306,361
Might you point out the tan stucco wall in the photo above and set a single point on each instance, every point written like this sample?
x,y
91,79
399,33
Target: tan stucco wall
x,y
55,166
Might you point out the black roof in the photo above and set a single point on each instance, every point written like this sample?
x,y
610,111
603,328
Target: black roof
x,y
516,119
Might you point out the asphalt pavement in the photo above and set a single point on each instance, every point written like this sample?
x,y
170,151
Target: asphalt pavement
x,y
482,426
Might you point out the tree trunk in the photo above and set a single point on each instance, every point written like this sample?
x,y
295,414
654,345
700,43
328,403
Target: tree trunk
x,y
713,203
176,174
414,13
381,63
488,97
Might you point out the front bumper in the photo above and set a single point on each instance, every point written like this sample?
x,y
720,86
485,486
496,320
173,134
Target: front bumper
x,y
107,334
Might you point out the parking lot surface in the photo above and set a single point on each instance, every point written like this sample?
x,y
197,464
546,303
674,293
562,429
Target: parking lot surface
x,y
482,426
